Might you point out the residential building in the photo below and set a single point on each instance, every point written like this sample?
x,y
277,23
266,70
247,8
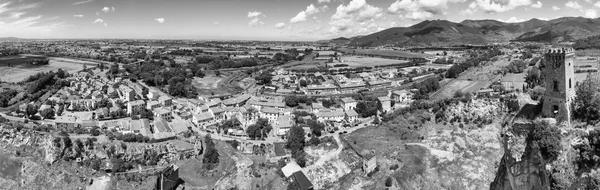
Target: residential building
x,y
165,101
349,103
163,113
134,107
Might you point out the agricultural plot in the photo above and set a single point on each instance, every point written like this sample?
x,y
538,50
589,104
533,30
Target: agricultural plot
x,y
383,52
473,80
361,61
21,69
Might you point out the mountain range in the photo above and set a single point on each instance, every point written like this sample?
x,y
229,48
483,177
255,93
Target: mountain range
x,y
444,33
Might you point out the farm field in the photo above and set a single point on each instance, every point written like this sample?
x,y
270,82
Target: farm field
x,y
225,84
361,61
472,80
20,69
383,52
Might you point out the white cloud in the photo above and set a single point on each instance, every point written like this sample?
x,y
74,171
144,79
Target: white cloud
x,y
280,25
420,9
513,20
98,21
324,8
82,2
355,12
79,16
591,13
97,14
160,20
537,5
573,5
254,14
597,4
106,9
112,8
255,22
301,16
555,8
215,23
324,1
15,15
32,26
497,6
105,25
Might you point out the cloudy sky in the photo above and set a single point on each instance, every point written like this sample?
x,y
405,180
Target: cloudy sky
x,y
258,19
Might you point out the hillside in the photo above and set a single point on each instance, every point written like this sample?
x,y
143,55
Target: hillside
x,y
443,32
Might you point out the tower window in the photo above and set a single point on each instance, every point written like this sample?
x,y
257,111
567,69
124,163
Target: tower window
x,y
555,109
569,82
555,85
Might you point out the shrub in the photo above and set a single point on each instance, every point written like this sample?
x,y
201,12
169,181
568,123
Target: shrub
x,y
388,182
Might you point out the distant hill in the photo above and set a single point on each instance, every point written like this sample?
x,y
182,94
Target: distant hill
x,y
443,32
10,39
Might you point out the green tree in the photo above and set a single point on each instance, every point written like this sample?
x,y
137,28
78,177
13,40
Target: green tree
x,y
291,101
296,139
546,139
47,113
31,110
586,106
211,156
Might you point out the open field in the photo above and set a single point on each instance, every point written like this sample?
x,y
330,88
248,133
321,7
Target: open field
x,y
303,65
472,80
19,72
383,52
362,61
227,83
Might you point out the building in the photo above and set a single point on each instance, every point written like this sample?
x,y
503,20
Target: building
x,y
369,164
165,101
163,113
349,103
386,103
153,105
134,107
401,96
335,115
560,90
168,178
152,95
351,116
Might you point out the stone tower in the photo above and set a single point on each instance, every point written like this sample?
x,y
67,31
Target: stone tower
x,y
560,85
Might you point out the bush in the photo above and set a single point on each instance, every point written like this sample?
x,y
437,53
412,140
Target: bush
x,y
388,182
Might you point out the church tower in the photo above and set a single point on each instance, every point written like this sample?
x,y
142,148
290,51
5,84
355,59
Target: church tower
x,y
560,87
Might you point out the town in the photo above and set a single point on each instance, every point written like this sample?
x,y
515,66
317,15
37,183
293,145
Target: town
x,y
379,95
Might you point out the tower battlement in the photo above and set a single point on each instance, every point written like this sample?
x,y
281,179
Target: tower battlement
x,y
559,51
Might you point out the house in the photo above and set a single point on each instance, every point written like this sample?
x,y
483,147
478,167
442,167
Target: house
x,y
135,107
153,105
335,115
386,103
270,113
215,102
168,178
351,116
165,101
163,113
152,95
65,123
349,103
401,96
369,164
202,118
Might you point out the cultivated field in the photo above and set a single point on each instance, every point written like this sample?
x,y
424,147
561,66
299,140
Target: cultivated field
x,y
383,52
361,61
472,80
20,69
227,83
